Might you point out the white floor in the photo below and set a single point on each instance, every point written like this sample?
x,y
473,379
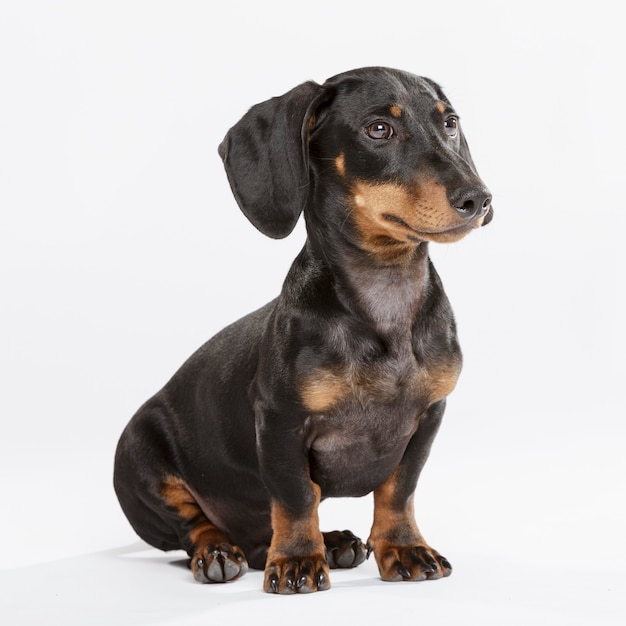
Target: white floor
x,y
135,585
533,528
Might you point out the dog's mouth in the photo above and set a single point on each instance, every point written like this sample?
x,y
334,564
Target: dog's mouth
x,y
391,218
452,233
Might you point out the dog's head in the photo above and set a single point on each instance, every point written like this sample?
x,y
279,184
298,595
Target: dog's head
x,y
375,152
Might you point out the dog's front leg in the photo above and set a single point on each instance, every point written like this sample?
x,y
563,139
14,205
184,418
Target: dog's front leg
x,y
296,561
400,549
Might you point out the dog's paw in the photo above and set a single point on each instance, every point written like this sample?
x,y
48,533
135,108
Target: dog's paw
x,y
419,562
344,549
218,564
296,575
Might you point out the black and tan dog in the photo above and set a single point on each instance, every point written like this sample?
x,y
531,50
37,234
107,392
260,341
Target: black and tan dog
x,y
338,386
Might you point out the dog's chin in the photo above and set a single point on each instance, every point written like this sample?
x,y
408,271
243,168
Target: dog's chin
x,y
447,235
457,233
450,235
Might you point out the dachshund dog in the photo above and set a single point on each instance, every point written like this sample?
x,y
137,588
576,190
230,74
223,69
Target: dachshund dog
x,y
337,387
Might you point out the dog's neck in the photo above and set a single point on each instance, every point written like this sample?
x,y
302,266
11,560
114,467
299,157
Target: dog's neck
x,y
389,295
386,296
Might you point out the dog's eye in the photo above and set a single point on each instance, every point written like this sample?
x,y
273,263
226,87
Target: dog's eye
x,y
379,130
451,126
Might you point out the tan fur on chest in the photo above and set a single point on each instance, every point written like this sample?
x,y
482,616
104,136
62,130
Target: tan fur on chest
x,y
328,387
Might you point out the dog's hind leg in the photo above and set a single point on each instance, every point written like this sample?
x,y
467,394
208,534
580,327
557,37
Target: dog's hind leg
x,y
214,559
165,513
344,549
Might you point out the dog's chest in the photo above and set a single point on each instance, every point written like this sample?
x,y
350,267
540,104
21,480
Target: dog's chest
x,y
375,373
362,416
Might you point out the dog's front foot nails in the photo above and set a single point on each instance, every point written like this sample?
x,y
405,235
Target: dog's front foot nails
x,y
218,564
344,549
415,563
296,575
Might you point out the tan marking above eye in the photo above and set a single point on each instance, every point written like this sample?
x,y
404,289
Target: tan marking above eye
x,y
441,106
340,164
395,110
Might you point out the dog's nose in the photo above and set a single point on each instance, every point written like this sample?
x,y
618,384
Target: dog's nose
x,y
471,202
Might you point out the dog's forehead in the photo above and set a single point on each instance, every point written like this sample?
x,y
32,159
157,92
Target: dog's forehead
x,y
372,89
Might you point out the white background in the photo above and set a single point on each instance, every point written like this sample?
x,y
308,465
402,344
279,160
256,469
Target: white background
x,y
122,250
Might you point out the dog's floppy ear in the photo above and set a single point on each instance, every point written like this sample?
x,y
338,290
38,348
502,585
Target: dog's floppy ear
x,y
266,162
